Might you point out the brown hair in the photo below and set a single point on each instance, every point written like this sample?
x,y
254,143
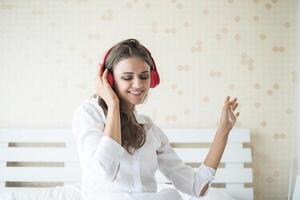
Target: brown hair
x,y
133,133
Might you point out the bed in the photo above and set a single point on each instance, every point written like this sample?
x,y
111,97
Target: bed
x,y
38,164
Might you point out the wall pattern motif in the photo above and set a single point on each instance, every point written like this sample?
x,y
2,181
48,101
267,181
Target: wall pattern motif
x,y
204,50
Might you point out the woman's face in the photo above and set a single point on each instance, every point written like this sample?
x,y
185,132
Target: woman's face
x,y
132,80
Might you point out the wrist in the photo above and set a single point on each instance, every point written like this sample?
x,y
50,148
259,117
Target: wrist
x,y
223,130
114,105
113,102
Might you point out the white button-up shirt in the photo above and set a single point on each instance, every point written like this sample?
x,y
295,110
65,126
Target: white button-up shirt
x,y
107,168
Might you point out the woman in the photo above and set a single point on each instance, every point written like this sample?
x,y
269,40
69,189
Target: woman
x,y
120,150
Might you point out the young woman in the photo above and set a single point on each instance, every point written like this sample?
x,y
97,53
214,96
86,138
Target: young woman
x,y
120,150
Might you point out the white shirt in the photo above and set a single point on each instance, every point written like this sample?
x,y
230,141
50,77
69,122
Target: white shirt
x,y
107,168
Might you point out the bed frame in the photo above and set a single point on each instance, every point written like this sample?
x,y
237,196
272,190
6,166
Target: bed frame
x,y
33,160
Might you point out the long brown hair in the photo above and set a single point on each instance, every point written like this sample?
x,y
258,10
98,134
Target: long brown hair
x,y
133,133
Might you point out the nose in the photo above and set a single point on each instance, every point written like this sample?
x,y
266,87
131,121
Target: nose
x,y
137,83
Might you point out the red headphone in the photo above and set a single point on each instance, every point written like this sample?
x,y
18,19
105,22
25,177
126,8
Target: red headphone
x,y
154,76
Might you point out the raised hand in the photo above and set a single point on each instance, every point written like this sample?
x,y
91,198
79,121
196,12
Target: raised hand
x,y
104,90
229,115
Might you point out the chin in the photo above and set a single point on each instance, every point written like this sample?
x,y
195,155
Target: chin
x,y
133,100
136,103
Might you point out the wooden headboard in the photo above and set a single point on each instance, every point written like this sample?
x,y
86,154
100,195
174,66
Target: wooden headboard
x,y
34,159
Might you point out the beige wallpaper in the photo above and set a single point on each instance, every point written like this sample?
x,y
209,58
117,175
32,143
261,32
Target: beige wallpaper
x,y
204,50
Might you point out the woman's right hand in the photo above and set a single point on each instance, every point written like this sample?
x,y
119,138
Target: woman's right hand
x,y
104,90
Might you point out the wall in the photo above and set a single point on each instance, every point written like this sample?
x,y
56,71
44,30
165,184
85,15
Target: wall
x,y
204,50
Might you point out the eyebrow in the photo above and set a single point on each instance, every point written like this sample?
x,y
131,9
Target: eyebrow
x,y
132,72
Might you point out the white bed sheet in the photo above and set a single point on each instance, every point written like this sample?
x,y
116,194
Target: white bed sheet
x,y
72,192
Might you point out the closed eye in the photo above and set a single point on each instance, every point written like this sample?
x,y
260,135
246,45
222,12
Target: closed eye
x,y
144,77
141,77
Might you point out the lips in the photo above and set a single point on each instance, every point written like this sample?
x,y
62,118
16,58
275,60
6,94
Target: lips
x,y
136,93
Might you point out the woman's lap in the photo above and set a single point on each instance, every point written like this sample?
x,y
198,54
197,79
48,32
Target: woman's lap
x,y
166,194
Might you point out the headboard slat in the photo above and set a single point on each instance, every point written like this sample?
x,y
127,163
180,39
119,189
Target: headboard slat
x,y
40,174
205,135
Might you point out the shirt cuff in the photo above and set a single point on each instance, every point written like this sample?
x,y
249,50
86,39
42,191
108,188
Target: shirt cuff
x,y
212,170
109,148
204,175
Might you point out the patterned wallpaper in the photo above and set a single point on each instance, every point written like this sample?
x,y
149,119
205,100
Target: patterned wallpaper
x,y
204,50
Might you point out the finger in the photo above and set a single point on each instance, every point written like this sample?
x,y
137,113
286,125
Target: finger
x,y
231,110
232,117
235,106
227,99
104,76
100,68
233,101
99,76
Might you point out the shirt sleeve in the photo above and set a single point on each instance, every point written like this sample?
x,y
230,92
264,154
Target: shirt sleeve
x,y
94,147
183,177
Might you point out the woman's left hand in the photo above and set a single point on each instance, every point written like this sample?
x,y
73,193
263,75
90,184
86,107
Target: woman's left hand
x,y
228,116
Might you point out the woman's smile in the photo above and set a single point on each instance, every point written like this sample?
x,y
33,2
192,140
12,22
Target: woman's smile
x,y
136,94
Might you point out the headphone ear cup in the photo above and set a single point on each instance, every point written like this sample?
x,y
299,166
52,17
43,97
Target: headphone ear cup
x,y
154,79
110,79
